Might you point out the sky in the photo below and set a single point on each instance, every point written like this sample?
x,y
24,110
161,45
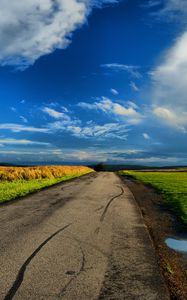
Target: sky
x,y
87,81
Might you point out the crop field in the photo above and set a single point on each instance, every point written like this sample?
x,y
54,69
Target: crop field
x,y
172,186
20,181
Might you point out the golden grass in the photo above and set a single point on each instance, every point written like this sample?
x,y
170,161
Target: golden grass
x,y
50,172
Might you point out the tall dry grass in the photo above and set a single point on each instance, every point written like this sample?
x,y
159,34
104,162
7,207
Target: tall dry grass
x,y
29,173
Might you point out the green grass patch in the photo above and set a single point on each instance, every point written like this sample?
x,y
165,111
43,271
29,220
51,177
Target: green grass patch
x,y
172,185
13,189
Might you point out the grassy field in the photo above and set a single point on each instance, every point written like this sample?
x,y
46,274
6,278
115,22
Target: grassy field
x,y
172,185
20,181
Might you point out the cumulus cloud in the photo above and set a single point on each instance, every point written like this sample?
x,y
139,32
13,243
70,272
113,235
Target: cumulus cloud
x,y
174,119
169,85
169,77
133,71
128,114
32,28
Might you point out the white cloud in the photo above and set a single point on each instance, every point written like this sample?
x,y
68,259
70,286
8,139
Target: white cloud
x,y
21,142
32,28
134,86
133,71
146,136
128,114
169,85
114,92
54,113
19,128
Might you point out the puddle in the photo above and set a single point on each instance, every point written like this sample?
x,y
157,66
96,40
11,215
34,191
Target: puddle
x,y
179,245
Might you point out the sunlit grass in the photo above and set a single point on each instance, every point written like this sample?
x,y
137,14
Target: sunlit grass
x,y
172,185
28,173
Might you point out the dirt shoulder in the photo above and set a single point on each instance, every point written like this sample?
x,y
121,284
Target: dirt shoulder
x,y
162,223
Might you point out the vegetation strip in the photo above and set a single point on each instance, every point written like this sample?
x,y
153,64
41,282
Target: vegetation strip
x,y
172,186
20,181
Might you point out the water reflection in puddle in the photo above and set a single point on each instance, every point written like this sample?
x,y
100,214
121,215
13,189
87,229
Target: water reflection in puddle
x,y
179,245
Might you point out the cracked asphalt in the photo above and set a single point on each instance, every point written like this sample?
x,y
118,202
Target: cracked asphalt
x,y
84,239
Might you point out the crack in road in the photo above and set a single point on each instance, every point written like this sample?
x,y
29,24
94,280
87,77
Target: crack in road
x,y
20,276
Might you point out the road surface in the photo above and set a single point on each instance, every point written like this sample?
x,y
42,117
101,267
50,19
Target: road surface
x,y
84,239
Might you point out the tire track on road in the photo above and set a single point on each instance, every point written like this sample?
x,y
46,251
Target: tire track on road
x,y
107,207
20,276
109,203
62,292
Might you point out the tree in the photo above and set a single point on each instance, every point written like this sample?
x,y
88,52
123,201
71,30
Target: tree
x,y
101,167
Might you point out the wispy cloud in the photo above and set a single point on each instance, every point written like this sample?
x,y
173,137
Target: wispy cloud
x,y
21,142
92,130
174,10
12,108
134,86
133,71
19,128
24,119
54,113
114,92
152,3
146,136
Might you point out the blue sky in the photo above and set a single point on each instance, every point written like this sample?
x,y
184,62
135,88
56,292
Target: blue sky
x,y
88,81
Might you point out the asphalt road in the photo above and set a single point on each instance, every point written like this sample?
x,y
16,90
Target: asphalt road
x,y
84,239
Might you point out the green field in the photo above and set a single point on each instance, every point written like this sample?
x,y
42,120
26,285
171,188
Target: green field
x,y
172,185
13,189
